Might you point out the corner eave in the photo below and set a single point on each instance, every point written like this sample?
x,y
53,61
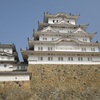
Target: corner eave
x,y
24,55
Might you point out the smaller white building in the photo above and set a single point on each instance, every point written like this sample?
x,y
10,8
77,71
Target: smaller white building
x,y
10,67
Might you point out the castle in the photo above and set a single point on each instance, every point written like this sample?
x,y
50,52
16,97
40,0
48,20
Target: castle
x,y
58,40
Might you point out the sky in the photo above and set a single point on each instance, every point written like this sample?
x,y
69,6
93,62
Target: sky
x,y
18,18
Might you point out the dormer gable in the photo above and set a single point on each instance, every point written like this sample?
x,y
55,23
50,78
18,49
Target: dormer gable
x,y
79,30
48,29
63,22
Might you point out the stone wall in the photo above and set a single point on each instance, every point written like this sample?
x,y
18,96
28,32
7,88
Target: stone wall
x,y
15,90
65,82
55,82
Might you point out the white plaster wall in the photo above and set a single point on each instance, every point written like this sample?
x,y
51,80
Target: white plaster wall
x,y
15,78
6,58
33,58
88,48
49,38
65,60
63,47
8,67
50,20
66,47
72,22
96,59
84,63
45,47
64,30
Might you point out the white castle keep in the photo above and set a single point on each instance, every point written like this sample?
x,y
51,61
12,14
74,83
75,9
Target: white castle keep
x,y
59,40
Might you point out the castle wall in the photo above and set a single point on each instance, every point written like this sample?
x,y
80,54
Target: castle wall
x,y
65,82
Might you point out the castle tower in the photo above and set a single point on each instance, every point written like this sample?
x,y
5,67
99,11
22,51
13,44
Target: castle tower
x,y
60,40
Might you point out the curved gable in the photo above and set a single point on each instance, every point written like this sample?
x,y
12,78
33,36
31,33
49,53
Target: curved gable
x,y
76,41
79,30
48,29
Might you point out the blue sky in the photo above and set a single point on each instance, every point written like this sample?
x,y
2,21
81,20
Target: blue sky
x,y
18,18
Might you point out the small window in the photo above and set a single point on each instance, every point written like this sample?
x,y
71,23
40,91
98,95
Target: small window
x,y
40,58
18,67
68,21
50,58
53,21
84,40
53,39
15,77
89,59
70,58
23,67
5,65
83,49
92,49
40,48
80,59
44,38
49,48
60,58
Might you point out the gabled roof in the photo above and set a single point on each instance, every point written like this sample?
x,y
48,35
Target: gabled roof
x,y
48,29
78,30
81,31
64,15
